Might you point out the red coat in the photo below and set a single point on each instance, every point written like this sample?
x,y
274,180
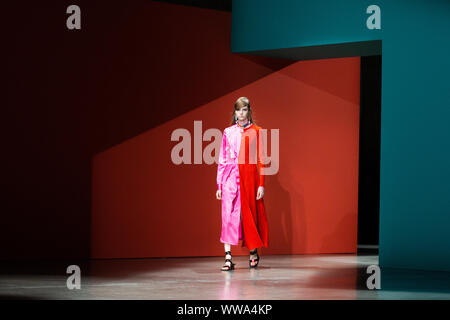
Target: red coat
x,y
251,168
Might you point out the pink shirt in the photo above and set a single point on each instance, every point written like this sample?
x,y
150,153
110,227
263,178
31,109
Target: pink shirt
x,y
229,152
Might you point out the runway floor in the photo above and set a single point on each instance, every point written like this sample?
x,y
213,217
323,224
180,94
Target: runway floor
x,y
287,277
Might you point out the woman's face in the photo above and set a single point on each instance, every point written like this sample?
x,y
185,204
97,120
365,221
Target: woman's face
x,y
242,113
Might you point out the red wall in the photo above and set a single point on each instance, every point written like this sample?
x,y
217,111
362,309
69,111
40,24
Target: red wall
x,y
71,94
146,206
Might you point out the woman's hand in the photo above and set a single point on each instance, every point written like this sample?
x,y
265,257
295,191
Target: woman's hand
x,y
260,193
219,194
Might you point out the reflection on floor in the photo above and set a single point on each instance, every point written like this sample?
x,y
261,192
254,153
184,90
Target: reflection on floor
x,y
287,277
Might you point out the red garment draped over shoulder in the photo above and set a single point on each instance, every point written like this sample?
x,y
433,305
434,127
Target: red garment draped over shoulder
x,y
251,175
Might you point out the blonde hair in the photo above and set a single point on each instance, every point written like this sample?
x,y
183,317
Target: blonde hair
x,y
238,105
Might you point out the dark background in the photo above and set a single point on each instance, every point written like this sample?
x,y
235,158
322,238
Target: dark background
x,y
70,95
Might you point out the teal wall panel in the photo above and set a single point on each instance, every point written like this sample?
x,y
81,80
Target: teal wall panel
x,y
415,110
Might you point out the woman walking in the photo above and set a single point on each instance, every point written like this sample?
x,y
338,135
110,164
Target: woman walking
x,y
240,185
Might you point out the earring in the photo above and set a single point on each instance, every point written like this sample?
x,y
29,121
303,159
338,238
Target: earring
x,y
235,118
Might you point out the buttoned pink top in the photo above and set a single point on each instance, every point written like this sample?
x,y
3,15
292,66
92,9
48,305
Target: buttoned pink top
x,y
228,182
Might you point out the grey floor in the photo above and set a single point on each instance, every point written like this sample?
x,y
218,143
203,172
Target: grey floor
x,y
287,277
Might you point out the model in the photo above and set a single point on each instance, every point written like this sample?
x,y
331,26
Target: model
x,y
240,185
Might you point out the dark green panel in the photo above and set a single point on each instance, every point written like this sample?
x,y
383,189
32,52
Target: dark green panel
x,y
415,108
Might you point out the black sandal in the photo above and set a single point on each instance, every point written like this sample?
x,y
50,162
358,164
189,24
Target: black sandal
x,y
254,260
228,267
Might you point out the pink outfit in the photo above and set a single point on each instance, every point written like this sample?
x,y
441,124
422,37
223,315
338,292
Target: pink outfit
x,y
228,182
